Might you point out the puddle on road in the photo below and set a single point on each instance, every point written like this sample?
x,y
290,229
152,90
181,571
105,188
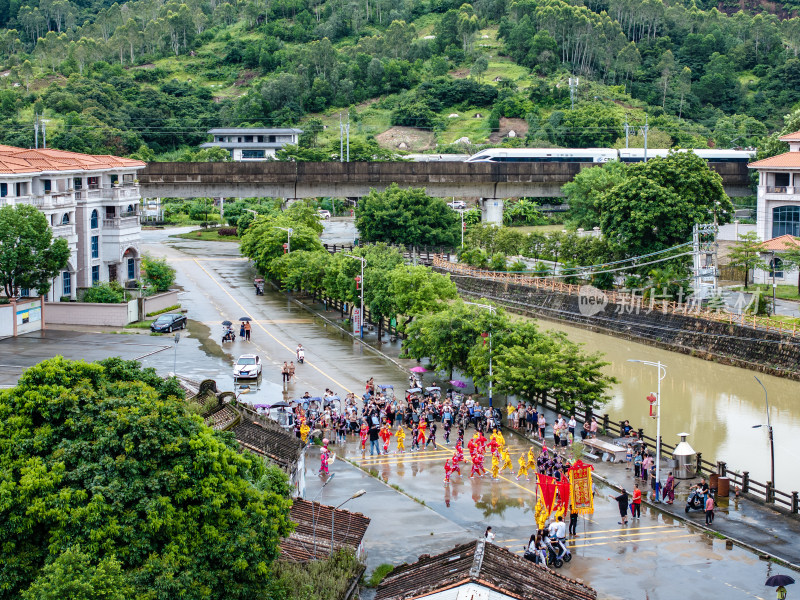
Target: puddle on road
x,y
202,333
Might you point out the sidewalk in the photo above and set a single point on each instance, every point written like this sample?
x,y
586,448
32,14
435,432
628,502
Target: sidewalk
x,y
748,523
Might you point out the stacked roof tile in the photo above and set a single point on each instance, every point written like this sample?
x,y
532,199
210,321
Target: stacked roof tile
x,y
314,522
483,564
20,161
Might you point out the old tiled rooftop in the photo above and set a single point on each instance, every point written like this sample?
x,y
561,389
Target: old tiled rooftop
x,y
314,521
483,564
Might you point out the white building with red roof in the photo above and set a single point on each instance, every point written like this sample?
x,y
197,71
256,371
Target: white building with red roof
x,y
90,200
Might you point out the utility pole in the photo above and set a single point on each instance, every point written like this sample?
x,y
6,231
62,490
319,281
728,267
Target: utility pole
x,y
36,130
344,131
361,285
44,133
573,88
645,130
627,132
341,140
347,130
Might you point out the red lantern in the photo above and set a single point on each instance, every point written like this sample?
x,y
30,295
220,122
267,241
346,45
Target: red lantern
x,y
484,335
652,399
358,282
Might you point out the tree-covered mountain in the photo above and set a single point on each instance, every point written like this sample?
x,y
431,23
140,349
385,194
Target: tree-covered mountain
x,y
150,77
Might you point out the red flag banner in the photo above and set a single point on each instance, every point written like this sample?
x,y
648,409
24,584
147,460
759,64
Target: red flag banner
x,y
580,477
563,493
547,487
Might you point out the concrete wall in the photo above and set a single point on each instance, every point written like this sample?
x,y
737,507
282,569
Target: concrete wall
x,y
89,313
355,179
158,302
20,317
710,340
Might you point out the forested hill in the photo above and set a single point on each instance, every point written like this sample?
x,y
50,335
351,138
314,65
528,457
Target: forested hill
x,y
150,77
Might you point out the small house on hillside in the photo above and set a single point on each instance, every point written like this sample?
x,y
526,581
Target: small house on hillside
x,y
479,571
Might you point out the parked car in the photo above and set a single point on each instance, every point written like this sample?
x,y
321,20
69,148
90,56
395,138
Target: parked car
x,y
248,366
324,214
168,322
457,205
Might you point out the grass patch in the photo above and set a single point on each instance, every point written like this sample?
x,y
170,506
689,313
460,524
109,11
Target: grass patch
x,y
539,228
163,310
207,235
140,324
378,575
782,292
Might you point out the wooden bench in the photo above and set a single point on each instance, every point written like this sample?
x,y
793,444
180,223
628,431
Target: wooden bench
x,y
614,452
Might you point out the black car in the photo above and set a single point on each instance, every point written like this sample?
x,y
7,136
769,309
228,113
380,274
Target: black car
x,y
168,322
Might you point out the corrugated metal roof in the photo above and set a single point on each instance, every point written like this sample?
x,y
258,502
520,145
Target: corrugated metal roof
x,y
252,131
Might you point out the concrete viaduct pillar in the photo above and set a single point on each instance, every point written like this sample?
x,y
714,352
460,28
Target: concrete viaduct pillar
x,y
491,210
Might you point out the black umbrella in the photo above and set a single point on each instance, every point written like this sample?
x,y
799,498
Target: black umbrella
x,y
779,580
227,323
245,319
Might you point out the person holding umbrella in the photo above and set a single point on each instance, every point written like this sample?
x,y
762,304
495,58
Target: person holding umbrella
x,y
780,582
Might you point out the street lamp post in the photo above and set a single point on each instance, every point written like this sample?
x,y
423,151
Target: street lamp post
x,y
175,355
288,231
491,310
361,314
769,429
313,519
462,228
358,494
662,373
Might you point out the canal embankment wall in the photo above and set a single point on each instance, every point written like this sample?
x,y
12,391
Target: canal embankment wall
x,y
726,343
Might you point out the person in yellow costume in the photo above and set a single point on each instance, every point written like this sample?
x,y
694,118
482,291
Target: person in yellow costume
x,y
500,439
495,466
523,467
507,464
531,459
304,429
401,438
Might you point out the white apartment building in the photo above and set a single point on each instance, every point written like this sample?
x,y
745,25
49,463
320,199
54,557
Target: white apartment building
x,y
254,143
91,201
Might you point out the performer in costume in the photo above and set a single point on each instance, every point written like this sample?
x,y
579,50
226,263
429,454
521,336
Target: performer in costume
x,y
421,434
455,460
507,464
386,435
531,459
304,429
495,466
523,467
494,445
500,439
401,438
364,434
324,456
448,469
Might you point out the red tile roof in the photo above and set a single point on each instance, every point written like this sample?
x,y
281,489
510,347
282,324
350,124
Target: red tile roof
x,y
787,159
783,242
485,564
314,521
20,160
792,137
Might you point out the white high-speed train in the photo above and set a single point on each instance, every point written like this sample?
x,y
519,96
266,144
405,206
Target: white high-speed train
x,y
598,155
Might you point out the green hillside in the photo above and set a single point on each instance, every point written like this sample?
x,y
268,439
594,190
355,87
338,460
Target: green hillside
x,y
149,77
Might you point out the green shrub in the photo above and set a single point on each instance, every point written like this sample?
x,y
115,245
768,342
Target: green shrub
x,y
379,574
105,293
157,273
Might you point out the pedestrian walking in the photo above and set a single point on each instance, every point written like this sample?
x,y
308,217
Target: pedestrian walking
x,y
669,489
241,330
291,370
709,509
647,462
374,434
636,503
247,330
594,427
542,423
628,458
489,534
285,371
622,503
637,465
571,424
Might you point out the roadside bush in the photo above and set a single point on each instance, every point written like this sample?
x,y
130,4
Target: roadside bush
x,y
105,293
498,262
157,273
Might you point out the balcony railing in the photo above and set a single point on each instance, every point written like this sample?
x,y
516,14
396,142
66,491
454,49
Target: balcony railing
x,y
125,221
780,189
61,231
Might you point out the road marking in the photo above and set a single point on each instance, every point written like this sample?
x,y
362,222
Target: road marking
x,y
264,329
420,455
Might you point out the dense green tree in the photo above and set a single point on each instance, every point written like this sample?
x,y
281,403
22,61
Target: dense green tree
x,y
586,189
29,256
407,217
157,273
112,488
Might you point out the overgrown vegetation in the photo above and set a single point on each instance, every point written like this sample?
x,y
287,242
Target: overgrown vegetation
x,y
327,579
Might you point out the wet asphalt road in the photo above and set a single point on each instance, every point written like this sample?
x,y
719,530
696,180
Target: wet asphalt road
x,y
655,557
